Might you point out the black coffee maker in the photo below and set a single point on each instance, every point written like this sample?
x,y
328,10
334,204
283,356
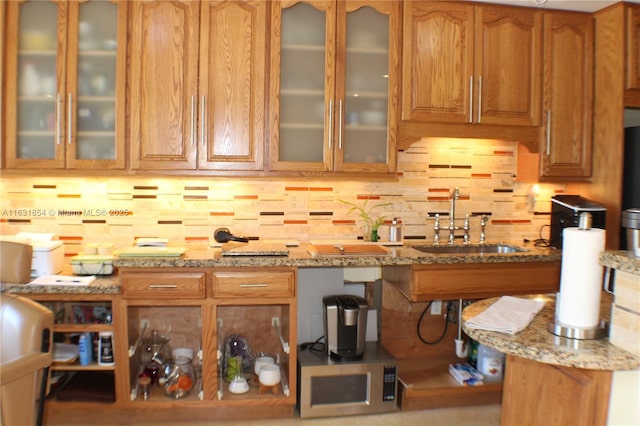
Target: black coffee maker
x,y
565,213
345,325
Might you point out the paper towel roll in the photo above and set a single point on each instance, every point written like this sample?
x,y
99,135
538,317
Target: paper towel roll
x,y
580,277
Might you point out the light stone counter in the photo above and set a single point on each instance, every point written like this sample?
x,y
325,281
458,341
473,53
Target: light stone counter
x,y
537,344
206,257
621,260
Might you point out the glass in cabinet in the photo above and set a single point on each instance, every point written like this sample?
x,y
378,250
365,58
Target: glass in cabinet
x,y
335,87
66,107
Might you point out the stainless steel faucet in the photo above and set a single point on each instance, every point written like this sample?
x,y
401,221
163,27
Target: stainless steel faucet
x,y
436,230
455,195
483,225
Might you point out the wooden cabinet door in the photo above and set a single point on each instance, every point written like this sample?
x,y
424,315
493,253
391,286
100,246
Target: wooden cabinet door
x,y
535,393
632,97
163,84
302,85
568,95
64,104
232,85
367,68
633,47
508,65
437,62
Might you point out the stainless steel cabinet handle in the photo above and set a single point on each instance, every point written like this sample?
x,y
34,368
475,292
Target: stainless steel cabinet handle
x,y
163,285
203,123
479,99
340,124
193,120
471,99
58,118
330,123
69,118
548,150
254,285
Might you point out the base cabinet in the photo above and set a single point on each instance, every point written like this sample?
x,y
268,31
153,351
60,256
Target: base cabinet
x,y
543,394
218,314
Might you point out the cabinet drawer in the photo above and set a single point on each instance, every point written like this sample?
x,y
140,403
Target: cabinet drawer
x,y
163,285
253,284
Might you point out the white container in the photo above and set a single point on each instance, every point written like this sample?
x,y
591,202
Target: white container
x,y
269,375
105,348
48,258
490,363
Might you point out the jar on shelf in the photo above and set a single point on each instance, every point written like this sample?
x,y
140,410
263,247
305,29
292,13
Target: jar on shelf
x,y
180,378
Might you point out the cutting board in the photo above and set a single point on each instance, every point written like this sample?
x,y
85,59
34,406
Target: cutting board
x,y
151,252
254,249
347,250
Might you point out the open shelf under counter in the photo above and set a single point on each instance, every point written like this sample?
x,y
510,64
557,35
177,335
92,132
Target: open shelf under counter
x,y
425,382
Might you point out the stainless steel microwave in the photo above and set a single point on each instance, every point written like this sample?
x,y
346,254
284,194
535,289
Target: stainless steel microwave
x,y
339,387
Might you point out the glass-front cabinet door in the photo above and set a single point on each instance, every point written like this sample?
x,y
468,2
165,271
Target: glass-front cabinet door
x,y
333,86
65,108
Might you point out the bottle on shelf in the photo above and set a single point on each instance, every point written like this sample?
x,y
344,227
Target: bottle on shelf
x,y
105,348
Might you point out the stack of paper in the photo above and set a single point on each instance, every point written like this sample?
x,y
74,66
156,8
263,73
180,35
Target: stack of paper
x,y
63,280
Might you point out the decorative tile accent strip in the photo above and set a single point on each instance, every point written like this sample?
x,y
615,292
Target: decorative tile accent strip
x,y
36,186
295,222
69,196
169,222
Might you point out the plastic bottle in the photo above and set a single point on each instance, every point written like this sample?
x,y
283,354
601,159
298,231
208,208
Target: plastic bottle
x,y
85,349
490,363
105,348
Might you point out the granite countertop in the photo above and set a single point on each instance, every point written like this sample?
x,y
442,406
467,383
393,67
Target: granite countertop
x,y
621,260
208,257
536,343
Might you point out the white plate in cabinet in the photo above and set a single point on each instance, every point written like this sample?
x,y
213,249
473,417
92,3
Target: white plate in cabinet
x,y
163,285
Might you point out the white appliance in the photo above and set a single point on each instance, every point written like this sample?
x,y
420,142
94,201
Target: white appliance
x,y
48,253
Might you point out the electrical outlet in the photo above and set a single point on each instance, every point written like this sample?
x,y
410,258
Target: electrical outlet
x,y
436,307
297,202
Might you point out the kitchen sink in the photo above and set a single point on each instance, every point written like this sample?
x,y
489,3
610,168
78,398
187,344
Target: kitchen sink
x,y
469,249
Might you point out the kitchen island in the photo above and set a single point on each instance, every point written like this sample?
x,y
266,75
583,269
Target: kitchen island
x,y
204,289
569,380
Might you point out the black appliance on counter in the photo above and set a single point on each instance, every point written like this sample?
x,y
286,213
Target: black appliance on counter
x,y
565,213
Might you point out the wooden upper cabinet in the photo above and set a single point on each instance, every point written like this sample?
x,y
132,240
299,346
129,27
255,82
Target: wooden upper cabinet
x,y
197,84
632,96
566,145
163,84
471,64
334,86
233,46
508,65
63,100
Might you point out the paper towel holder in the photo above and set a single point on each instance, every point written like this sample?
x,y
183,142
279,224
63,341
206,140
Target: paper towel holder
x,y
599,331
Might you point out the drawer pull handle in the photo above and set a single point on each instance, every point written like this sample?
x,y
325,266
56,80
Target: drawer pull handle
x,y
163,285
254,285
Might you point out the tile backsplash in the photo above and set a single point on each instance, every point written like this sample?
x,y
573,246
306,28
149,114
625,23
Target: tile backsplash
x,y
188,209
